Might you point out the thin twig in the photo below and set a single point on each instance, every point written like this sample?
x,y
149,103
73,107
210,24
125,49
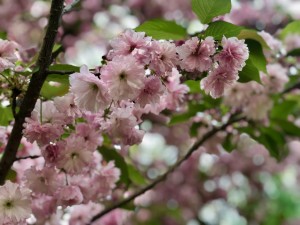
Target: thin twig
x,y
164,176
71,6
27,157
33,91
60,72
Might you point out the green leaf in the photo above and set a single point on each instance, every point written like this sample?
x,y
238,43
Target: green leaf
x,y
55,85
64,67
219,29
282,109
11,175
192,111
253,35
294,52
257,56
194,86
273,140
291,28
112,155
163,29
135,176
228,145
206,10
288,127
3,35
249,73
6,115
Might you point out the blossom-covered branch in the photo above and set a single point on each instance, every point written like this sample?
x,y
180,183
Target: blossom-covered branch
x,y
33,90
196,146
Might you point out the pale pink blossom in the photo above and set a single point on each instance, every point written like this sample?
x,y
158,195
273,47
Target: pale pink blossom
x,y
44,181
14,203
66,104
92,137
292,41
51,153
121,126
43,207
276,78
90,92
75,158
116,217
163,57
106,179
152,92
176,90
43,134
8,55
131,43
217,81
196,55
271,41
259,107
82,214
69,195
233,55
124,77
46,112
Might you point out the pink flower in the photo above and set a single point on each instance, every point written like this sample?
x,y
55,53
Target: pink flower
x,y
69,195
124,77
292,41
44,181
131,43
14,203
116,217
82,214
51,153
276,78
176,90
43,134
106,179
234,54
92,137
152,92
121,126
90,92
43,207
75,158
195,55
218,80
66,104
163,57
8,54
272,42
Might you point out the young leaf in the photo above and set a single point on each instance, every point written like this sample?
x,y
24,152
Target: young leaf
x,y
113,155
135,176
206,10
253,35
291,28
5,116
194,86
55,85
219,29
249,73
163,29
257,56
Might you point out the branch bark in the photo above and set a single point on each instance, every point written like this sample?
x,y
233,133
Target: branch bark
x,y
33,90
165,175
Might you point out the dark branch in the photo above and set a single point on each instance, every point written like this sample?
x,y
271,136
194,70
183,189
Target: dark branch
x,y
71,7
165,175
33,91
294,87
60,72
28,157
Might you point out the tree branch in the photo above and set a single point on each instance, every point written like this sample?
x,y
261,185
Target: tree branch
x,y
294,87
32,93
27,157
165,175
